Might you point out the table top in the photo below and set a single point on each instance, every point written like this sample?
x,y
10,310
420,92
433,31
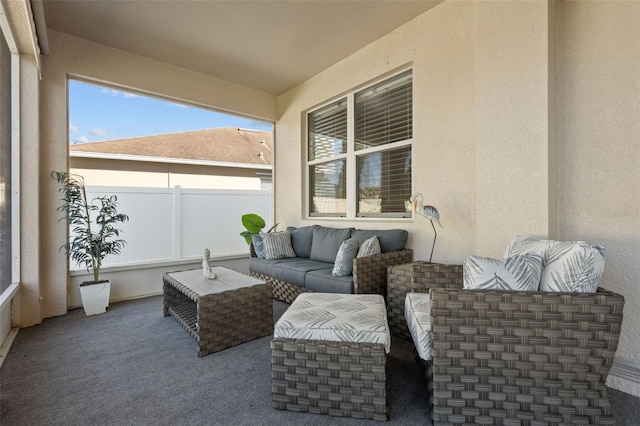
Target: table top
x,y
226,279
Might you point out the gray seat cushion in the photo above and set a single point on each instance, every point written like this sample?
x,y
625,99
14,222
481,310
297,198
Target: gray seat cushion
x,y
263,266
294,272
322,281
390,239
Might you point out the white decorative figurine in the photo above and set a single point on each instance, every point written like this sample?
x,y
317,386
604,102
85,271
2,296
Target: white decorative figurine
x,y
206,269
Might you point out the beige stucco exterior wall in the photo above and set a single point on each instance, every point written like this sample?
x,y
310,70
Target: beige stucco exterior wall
x,y
525,122
440,47
599,147
70,56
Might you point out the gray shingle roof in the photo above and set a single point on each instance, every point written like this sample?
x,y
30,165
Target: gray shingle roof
x,y
224,144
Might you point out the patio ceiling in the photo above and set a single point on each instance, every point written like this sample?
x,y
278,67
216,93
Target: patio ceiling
x,y
270,46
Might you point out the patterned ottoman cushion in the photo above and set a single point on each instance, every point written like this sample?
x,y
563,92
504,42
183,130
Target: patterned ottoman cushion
x,y
360,318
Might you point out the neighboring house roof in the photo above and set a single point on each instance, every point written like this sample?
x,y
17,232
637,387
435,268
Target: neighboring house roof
x,y
221,145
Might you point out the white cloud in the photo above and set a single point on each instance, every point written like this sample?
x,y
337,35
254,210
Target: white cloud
x,y
98,132
115,92
72,128
81,139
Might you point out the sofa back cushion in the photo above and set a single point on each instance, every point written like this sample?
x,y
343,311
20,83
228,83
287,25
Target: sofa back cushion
x,y
326,242
568,266
301,239
390,239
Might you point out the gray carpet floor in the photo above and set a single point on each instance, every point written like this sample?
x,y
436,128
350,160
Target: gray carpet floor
x,y
132,366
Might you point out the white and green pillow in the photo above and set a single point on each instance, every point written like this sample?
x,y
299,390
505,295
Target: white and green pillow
x,y
519,273
568,266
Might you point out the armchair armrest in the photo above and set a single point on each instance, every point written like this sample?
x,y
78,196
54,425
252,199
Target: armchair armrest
x,y
370,272
505,353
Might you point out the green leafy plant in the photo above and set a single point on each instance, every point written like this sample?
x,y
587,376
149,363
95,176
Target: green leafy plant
x,y
90,240
254,225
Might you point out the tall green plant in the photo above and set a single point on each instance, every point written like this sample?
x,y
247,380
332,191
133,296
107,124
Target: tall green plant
x,y
90,241
254,225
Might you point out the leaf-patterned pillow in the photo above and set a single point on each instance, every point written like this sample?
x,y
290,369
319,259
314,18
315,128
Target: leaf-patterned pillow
x,y
369,247
343,265
568,266
519,273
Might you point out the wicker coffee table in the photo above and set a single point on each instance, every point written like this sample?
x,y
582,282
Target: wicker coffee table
x,y
232,309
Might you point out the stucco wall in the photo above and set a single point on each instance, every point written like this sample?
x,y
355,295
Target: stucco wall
x,y
70,56
525,122
599,147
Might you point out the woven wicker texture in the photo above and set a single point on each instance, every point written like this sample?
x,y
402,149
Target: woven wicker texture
x,y
336,378
220,320
526,358
369,276
417,277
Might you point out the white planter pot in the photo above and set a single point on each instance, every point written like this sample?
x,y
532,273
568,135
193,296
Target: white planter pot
x,y
95,296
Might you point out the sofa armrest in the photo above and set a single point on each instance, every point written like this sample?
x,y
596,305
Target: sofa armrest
x,y
554,348
370,272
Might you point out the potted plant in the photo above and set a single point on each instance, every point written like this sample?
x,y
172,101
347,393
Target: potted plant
x,y
254,224
93,236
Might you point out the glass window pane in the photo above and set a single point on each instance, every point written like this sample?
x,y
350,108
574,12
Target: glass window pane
x,y
5,165
384,183
384,112
328,189
328,131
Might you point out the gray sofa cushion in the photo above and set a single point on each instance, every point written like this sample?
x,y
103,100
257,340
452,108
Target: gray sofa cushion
x,y
322,281
264,266
301,239
390,239
326,243
294,272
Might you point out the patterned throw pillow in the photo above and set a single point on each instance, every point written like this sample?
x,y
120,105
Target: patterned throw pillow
x,y
277,245
343,265
369,247
568,266
258,245
519,273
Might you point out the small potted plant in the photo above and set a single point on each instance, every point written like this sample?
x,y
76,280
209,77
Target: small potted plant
x,y
93,236
254,224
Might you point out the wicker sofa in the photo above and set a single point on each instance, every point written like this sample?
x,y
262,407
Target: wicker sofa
x,y
315,250
517,357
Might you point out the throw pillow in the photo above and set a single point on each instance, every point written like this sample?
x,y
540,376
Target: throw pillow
x,y
343,265
519,273
369,247
568,266
258,245
277,245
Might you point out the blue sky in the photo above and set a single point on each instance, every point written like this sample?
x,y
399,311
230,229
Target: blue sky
x,y
98,113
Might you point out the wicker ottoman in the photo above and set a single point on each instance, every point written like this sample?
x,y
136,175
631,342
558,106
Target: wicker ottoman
x,y
328,356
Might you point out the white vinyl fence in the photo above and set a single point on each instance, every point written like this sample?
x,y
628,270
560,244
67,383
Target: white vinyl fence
x,y
174,224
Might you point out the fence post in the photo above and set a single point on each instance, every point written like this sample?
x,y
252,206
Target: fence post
x,y
177,222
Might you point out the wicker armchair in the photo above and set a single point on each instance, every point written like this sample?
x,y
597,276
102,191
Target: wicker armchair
x,y
525,358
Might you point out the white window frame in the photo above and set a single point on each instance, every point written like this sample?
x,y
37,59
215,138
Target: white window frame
x,y
351,157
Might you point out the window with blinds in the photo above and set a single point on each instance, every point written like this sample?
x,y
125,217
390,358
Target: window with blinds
x,y
359,152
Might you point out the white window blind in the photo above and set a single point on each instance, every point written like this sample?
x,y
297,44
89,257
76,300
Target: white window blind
x,y
367,149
